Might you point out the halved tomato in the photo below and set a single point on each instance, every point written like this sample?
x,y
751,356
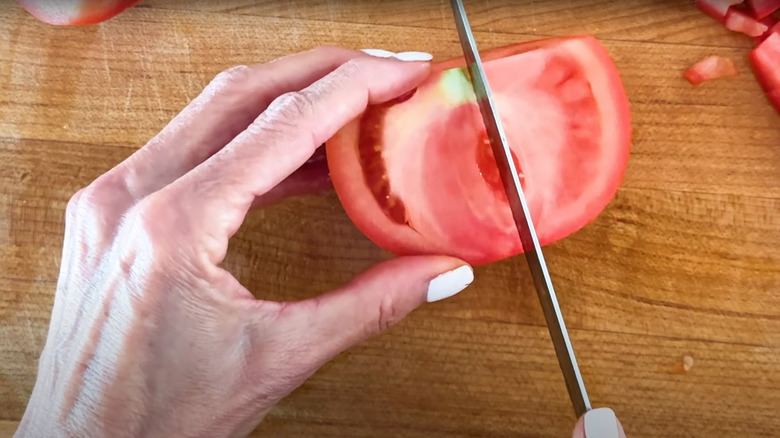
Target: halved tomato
x,y
75,12
417,175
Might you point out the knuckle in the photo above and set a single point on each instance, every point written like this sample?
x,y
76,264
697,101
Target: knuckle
x,y
354,66
229,77
295,104
285,112
105,196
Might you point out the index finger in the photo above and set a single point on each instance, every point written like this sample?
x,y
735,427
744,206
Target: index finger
x,y
215,196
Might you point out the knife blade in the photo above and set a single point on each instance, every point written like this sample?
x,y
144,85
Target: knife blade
x,y
525,227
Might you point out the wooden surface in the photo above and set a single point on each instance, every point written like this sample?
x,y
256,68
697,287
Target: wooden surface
x,y
683,267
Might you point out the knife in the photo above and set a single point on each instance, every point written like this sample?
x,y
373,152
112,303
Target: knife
x,y
525,227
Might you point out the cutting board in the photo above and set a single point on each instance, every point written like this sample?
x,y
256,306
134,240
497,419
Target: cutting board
x,y
672,295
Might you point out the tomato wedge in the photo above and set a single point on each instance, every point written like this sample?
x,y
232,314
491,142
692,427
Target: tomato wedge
x,y
75,12
417,176
765,59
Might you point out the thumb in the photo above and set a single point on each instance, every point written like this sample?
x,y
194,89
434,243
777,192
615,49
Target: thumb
x,y
599,423
374,301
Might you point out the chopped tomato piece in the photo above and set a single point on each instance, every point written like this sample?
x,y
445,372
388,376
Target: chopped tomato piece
x,y
709,68
717,9
774,29
765,59
75,12
772,25
739,21
763,8
418,176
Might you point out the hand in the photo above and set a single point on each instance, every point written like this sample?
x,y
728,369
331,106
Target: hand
x,y
149,336
599,423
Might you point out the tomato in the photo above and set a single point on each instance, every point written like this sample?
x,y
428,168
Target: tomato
x,y
765,59
763,8
709,68
417,175
717,9
75,12
739,21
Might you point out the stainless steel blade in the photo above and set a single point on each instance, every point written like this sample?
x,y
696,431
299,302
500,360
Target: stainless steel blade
x,y
525,227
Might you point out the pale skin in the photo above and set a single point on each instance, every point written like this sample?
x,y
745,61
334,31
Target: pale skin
x,y
149,335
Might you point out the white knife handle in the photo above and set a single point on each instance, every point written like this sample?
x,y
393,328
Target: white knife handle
x,y
602,423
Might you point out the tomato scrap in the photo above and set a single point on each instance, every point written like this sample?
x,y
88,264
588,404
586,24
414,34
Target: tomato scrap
x,y
75,12
417,175
765,59
739,21
709,68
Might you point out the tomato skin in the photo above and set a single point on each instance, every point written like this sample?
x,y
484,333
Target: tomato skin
x,y
765,60
75,12
452,211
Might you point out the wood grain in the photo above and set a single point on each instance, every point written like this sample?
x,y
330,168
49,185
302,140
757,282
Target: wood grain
x,y
672,294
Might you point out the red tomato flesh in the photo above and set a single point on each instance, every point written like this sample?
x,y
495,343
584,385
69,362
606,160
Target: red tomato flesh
x,y
75,12
709,68
763,8
417,176
765,59
739,21
775,29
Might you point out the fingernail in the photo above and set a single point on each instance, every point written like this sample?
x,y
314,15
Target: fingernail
x,y
403,56
450,283
601,423
414,56
378,53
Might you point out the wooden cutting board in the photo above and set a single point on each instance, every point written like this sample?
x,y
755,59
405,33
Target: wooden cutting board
x,y
672,295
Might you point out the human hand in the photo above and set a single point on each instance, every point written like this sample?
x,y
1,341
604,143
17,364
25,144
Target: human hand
x,y
599,423
149,335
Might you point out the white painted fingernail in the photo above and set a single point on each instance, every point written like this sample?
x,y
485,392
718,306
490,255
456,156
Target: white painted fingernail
x,y
414,56
403,56
601,423
450,283
378,53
